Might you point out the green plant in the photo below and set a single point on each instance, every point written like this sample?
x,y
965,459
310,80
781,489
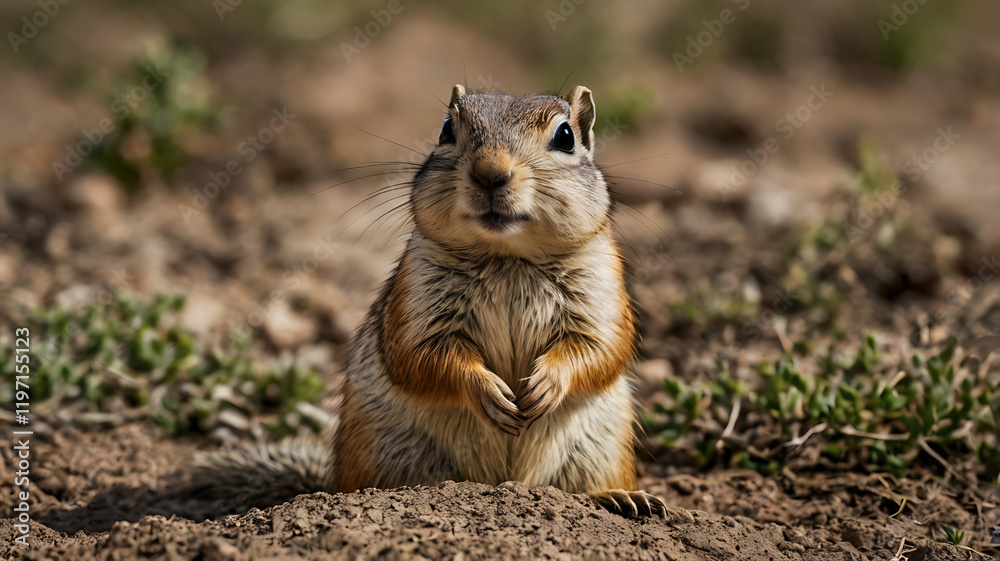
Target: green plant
x,y
856,410
953,534
157,106
131,358
623,109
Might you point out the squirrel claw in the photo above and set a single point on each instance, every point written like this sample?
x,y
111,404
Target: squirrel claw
x,y
538,394
505,420
496,403
639,504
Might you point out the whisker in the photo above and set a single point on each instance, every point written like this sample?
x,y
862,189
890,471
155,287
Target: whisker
x,y
441,101
378,193
382,216
566,81
404,211
376,207
545,192
633,161
353,180
645,224
619,198
644,181
399,223
625,238
391,141
382,219
376,164
397,217
619,195
647,219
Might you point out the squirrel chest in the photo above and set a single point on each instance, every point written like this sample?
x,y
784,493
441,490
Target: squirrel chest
x,y
507,308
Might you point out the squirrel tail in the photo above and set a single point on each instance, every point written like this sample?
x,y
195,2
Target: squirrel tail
x,y
259,475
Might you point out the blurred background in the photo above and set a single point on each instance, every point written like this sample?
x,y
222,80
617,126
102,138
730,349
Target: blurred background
x,y
199,200
785,171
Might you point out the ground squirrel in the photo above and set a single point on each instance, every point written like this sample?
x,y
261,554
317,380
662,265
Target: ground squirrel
x,y
500,348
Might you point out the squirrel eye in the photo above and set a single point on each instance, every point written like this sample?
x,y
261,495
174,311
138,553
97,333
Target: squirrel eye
x,y
563,139
447,134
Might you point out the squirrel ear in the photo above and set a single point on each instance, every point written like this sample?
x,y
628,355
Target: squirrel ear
x,y
581,103
457,93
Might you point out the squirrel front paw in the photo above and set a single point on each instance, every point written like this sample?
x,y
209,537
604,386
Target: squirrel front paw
x,y
491,399
541,392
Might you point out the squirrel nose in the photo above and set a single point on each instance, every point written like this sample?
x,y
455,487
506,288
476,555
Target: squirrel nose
x,y
491,173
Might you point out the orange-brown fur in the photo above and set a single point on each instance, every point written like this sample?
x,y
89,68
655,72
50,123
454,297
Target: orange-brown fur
x,y
423,368
501,346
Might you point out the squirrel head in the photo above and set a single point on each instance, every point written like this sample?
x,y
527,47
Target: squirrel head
x,y
513,175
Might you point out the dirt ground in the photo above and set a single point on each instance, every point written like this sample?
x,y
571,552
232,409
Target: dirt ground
x,y
100,478
99,496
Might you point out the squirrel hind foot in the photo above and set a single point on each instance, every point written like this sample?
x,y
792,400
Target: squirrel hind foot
x,y
639,504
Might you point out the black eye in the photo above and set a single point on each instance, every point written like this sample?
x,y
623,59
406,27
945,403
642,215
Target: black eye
x,y
563,139
447,134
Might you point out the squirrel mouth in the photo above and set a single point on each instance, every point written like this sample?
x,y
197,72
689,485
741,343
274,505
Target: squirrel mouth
x,y
499,221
